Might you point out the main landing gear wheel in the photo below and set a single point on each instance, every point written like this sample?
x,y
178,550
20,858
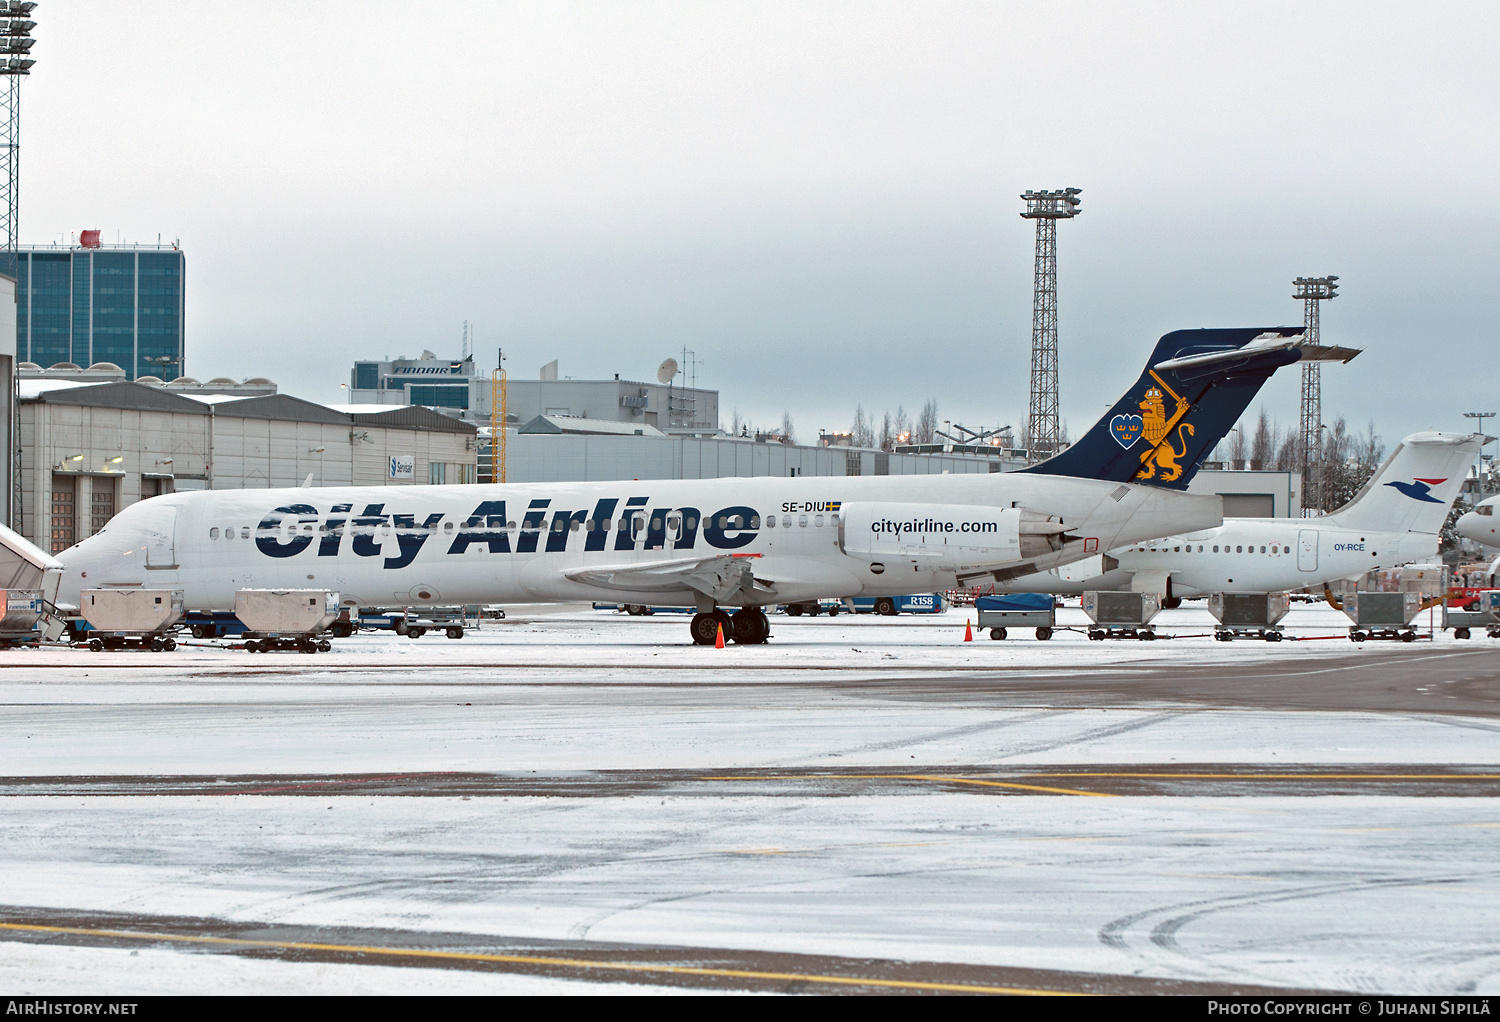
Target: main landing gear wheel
x,y
751,627
704,628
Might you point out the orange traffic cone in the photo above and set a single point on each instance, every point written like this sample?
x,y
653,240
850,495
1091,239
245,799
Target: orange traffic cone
x,y
968,632
719,640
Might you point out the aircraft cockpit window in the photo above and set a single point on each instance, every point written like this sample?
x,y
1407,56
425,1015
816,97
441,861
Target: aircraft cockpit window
x,y
213,533
1485,509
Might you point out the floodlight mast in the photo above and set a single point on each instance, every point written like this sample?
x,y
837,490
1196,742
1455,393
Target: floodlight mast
x,y
1481,416
1043,433
1311,291
15,62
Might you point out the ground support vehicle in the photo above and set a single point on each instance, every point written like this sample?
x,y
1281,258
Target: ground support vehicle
x,y
643,610
813,608
1481,610
1017,610
130,618
890,606
1121,615
1248,615
286,619
413,624
1382,615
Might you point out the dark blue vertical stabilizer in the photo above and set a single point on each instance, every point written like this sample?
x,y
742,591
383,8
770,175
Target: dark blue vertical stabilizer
x,y
1168,422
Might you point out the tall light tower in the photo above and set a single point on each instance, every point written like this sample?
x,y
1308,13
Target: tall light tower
x,y
1043,434
15,62
1481,416
1312,290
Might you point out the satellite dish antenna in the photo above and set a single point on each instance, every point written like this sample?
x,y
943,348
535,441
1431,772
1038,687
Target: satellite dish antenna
x,y
667,371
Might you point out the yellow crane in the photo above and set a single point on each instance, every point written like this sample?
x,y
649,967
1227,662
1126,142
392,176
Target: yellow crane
x,y
498,419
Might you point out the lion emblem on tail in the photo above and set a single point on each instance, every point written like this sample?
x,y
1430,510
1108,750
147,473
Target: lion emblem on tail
x,y
1162,457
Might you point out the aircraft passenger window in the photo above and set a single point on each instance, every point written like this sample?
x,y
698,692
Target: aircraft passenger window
x,y
511,526
818,521
605,524
786,521
692,523
737,521
1216,549
1262,549
833,520
802,521
245,532
673,521
1200,548
577,525
770,521
447,526
655,523
213,533
1177,549
1239,549
229,534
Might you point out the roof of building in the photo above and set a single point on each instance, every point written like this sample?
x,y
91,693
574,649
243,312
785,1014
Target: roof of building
x,y
280,407
596,427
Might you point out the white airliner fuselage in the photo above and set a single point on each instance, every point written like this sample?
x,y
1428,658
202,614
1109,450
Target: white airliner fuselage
x,y
737,542
1482,524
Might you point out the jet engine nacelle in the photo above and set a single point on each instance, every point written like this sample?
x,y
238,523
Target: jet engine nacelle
x,y
953,534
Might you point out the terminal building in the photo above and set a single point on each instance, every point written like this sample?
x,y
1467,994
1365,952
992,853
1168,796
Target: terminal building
x,y
83,304
91,446
456,387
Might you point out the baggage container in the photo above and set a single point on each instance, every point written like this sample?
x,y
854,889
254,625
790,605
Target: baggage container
x,y
131,611
1017,610
289,612
1382,615
20,614
1124,615
1252,615
130,618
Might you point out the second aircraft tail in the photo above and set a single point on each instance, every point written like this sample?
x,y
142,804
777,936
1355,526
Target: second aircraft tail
x,y
1415,488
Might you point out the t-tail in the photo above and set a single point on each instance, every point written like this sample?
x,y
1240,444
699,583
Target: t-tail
x,y
1195,387
1416,487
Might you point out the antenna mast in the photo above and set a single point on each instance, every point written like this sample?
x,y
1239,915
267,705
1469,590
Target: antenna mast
x,y
1043,433
1312,290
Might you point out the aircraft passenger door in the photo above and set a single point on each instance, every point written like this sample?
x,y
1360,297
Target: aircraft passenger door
x,y
160,539
1307,550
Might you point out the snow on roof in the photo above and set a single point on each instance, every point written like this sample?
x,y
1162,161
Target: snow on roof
x,y
568,424
366,409
31,389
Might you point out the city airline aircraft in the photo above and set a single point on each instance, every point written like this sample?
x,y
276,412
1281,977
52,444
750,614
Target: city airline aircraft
x,y
714,543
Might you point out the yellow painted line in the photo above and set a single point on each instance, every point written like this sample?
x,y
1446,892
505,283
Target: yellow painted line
x,y
571,963
1479,824
914,777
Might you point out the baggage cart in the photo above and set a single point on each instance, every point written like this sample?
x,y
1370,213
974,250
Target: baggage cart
x,y
130,618
1124,615
1248,615
1486,616
290,619
1001,612
20,616
1382,615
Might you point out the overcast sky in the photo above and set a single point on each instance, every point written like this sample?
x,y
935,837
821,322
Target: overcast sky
x,y
818,198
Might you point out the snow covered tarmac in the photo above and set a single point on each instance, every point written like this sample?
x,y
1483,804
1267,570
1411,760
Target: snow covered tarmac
x,y
863,788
